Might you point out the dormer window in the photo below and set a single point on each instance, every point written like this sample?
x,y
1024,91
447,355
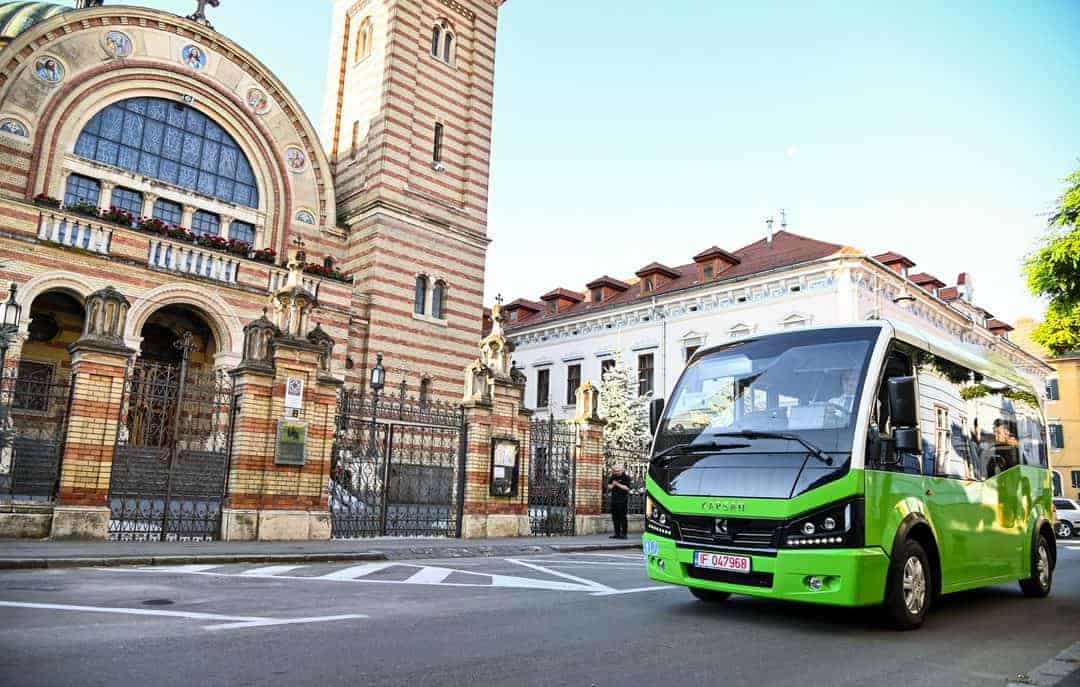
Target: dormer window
x,y
647,285
708,271
513,315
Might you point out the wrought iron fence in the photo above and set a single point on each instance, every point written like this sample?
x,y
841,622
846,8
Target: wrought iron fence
x,y
635,461
401,474
34,408
551,476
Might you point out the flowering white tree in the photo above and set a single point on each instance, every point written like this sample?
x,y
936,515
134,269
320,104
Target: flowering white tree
x,y
625,411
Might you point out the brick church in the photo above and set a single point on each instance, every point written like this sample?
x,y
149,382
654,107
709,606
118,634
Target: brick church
x,y
157,180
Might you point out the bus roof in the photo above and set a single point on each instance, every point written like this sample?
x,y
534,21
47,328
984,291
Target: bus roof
x,y
987,363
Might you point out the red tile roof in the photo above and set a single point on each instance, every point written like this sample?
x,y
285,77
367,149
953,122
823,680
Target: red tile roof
x,y
926,280
891,258
563,293
716,252
950,293
655,267
996,324
785,249
609,282
524,304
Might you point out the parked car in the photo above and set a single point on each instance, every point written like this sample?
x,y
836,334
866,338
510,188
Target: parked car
x,y
1068,515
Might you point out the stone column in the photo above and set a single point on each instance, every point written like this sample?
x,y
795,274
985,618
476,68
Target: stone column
x,y
99,363
223,227
148,200
105,198
589,468
187,216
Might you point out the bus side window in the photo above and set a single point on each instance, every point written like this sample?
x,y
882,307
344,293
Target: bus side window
x,y
896,365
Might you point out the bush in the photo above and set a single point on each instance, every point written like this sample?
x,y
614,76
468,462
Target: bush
x,y
82,207
47,200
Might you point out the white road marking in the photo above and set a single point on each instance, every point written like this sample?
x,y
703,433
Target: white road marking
x,y
617,592
632,556
188,568
355,571
233,622
1070,547
269,570
430,575
594,586
625,564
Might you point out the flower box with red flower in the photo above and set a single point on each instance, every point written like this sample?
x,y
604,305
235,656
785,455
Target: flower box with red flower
x,y
153,225
44,199
81,207
268,255
118,215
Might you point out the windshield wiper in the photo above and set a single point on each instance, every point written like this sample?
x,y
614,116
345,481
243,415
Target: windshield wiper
x,y
672,452
789,436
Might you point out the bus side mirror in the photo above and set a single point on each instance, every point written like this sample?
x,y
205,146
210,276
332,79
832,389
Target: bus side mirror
x,y
656,409
902,402
906,440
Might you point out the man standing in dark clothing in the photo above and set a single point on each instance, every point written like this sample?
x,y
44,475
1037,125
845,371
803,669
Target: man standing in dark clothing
x,y
619,487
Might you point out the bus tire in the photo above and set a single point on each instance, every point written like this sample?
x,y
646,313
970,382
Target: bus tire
x,y
908,587
1042,570
710,595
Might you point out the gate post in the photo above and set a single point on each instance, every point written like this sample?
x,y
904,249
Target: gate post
x,y
589,461
99,365
270,496
494,410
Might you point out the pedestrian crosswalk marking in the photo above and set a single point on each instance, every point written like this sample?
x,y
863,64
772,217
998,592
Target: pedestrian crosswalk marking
x,y
269,570
189,568
430,575
356,571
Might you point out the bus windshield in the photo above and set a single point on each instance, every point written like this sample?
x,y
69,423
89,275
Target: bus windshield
x,y
804,382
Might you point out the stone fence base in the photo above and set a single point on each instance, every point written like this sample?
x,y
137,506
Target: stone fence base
x,y
274,525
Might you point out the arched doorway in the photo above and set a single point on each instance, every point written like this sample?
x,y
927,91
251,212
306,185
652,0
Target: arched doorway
x,y
168,477
34,402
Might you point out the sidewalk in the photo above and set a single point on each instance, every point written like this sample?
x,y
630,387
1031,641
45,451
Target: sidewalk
x,y
24,553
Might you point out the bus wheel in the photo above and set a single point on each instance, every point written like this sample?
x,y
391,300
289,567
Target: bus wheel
x,y
710,595
1042,571
908,587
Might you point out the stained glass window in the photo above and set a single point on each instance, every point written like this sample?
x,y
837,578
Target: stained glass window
x,y
204,222
127,199
168,212
172,142
80,188
242,231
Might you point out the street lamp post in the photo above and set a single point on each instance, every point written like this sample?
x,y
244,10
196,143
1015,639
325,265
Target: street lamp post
x,y
378,381
10,314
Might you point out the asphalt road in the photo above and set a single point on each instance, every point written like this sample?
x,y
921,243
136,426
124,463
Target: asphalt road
x,y
560,619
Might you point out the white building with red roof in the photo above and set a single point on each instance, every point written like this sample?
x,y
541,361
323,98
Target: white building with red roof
x,y
659,317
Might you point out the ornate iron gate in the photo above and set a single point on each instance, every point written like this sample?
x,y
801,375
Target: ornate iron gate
x,y
172,453
551,476
636,463
34,408
402,474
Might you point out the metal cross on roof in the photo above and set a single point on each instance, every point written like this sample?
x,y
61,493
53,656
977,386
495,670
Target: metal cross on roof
x,y
200,12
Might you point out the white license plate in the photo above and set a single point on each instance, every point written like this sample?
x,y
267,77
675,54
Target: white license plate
x,y
722,561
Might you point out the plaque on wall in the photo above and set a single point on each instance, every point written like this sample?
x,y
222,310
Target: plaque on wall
x,y
291,442
294,393
504,467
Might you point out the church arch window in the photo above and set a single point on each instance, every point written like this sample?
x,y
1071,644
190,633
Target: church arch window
x,y
168,212
128,200
420,295
443,42
242,231
364,36
171,142
438,300
82,189
205,223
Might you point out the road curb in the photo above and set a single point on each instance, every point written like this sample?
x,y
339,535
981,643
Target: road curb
x,y
582,548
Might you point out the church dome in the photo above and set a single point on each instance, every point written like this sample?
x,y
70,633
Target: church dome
x,y
16,17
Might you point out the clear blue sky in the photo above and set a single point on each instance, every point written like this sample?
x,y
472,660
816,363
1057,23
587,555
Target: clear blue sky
x,y
631,131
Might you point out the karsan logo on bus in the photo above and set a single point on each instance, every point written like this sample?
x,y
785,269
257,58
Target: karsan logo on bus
x,y
723,507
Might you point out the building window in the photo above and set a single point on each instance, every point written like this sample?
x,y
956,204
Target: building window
x,y
707,271
442,42
514,315
543,383
82,189
436,149
597,294
363,39
1053,393
1057,436
128,200
425,391
420,295
941,435
573,381
689,352
32,386
203,222
168,212
171,142
645,374
647,284
1076,479
438,300
606,366
242,231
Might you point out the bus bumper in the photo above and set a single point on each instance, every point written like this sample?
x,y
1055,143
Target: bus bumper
x,y
845,577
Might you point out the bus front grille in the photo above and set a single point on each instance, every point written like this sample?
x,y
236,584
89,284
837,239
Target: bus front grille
x,y
747,532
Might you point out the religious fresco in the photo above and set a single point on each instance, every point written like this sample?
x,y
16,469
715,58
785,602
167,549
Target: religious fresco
x,y
257,101
305,217
295,159
13,127
193,57
49,70
118,45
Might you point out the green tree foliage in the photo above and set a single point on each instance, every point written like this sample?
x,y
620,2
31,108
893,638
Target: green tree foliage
x,y
1053,271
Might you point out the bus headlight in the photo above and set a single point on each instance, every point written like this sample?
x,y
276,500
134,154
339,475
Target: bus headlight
x,y
657,518
839,525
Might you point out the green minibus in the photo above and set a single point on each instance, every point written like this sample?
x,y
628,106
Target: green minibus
x,y
869,464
